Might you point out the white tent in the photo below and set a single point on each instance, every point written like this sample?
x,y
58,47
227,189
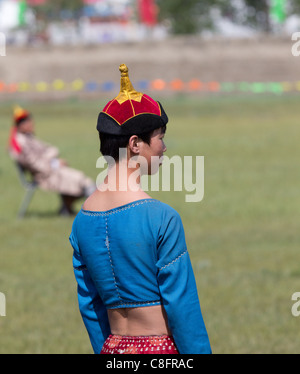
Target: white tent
x,y
9,14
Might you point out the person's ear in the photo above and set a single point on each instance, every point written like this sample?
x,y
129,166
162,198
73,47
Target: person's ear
x,y
134,144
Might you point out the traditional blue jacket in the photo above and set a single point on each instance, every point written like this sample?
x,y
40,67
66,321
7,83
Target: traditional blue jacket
x,y
135,256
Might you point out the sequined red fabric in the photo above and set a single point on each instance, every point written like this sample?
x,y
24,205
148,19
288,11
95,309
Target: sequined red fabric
x,y
117,344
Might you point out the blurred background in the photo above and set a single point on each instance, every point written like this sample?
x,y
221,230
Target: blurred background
x,y
67,48
33,22
62,48
227,76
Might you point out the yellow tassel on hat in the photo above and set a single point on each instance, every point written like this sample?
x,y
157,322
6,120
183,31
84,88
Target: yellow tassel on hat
x,y
19,112
127,91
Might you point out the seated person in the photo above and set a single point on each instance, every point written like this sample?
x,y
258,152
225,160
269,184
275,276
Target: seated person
x,y
43,162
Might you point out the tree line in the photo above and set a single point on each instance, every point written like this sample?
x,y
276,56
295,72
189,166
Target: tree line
x,y
192,16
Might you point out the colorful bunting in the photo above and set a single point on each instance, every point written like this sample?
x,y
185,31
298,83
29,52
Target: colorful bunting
x,y
175,85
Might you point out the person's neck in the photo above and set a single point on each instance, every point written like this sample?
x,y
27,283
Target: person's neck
x,y
121,177
26,133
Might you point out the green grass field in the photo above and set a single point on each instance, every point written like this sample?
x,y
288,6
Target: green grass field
x,y
243,237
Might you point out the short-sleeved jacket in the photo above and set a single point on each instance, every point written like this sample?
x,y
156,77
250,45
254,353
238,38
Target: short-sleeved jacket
x,y
135,256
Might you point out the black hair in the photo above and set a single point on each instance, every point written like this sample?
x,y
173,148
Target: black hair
x,y
110,144
22,119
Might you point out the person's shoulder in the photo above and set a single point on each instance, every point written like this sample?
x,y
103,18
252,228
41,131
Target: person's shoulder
x,y
167,210
21,138
166,207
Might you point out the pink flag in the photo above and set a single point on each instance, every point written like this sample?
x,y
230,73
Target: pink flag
x,y
147,12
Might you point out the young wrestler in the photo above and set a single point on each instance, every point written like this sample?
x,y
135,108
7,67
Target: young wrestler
x,y
136,288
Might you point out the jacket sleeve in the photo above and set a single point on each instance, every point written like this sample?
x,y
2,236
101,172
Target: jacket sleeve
x,y
178,289
91,307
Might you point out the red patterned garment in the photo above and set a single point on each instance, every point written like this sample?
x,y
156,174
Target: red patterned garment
x,y
117,344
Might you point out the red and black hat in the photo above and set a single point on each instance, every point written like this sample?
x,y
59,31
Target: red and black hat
x,y
131,112
20,115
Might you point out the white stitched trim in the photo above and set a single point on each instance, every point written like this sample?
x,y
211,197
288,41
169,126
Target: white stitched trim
x,y
133,304
109,255
116,210
172,262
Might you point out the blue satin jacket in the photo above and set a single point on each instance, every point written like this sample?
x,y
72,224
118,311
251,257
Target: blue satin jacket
x,y
134,256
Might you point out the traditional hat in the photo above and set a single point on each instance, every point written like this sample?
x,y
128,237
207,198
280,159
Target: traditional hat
x,y
20,114
131,112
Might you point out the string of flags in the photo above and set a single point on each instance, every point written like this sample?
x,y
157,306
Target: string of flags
x,y
176,85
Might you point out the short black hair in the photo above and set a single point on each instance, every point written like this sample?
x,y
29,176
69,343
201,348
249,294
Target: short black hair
x,y
22,119
110,144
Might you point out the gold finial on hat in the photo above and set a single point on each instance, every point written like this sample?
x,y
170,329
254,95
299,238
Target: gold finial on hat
x,y
127,91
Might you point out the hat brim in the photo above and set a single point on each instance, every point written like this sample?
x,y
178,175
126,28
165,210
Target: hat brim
x,y
139,124
22,119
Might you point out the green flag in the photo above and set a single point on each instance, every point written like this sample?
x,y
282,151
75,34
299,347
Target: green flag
x,y
22,12
278,10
